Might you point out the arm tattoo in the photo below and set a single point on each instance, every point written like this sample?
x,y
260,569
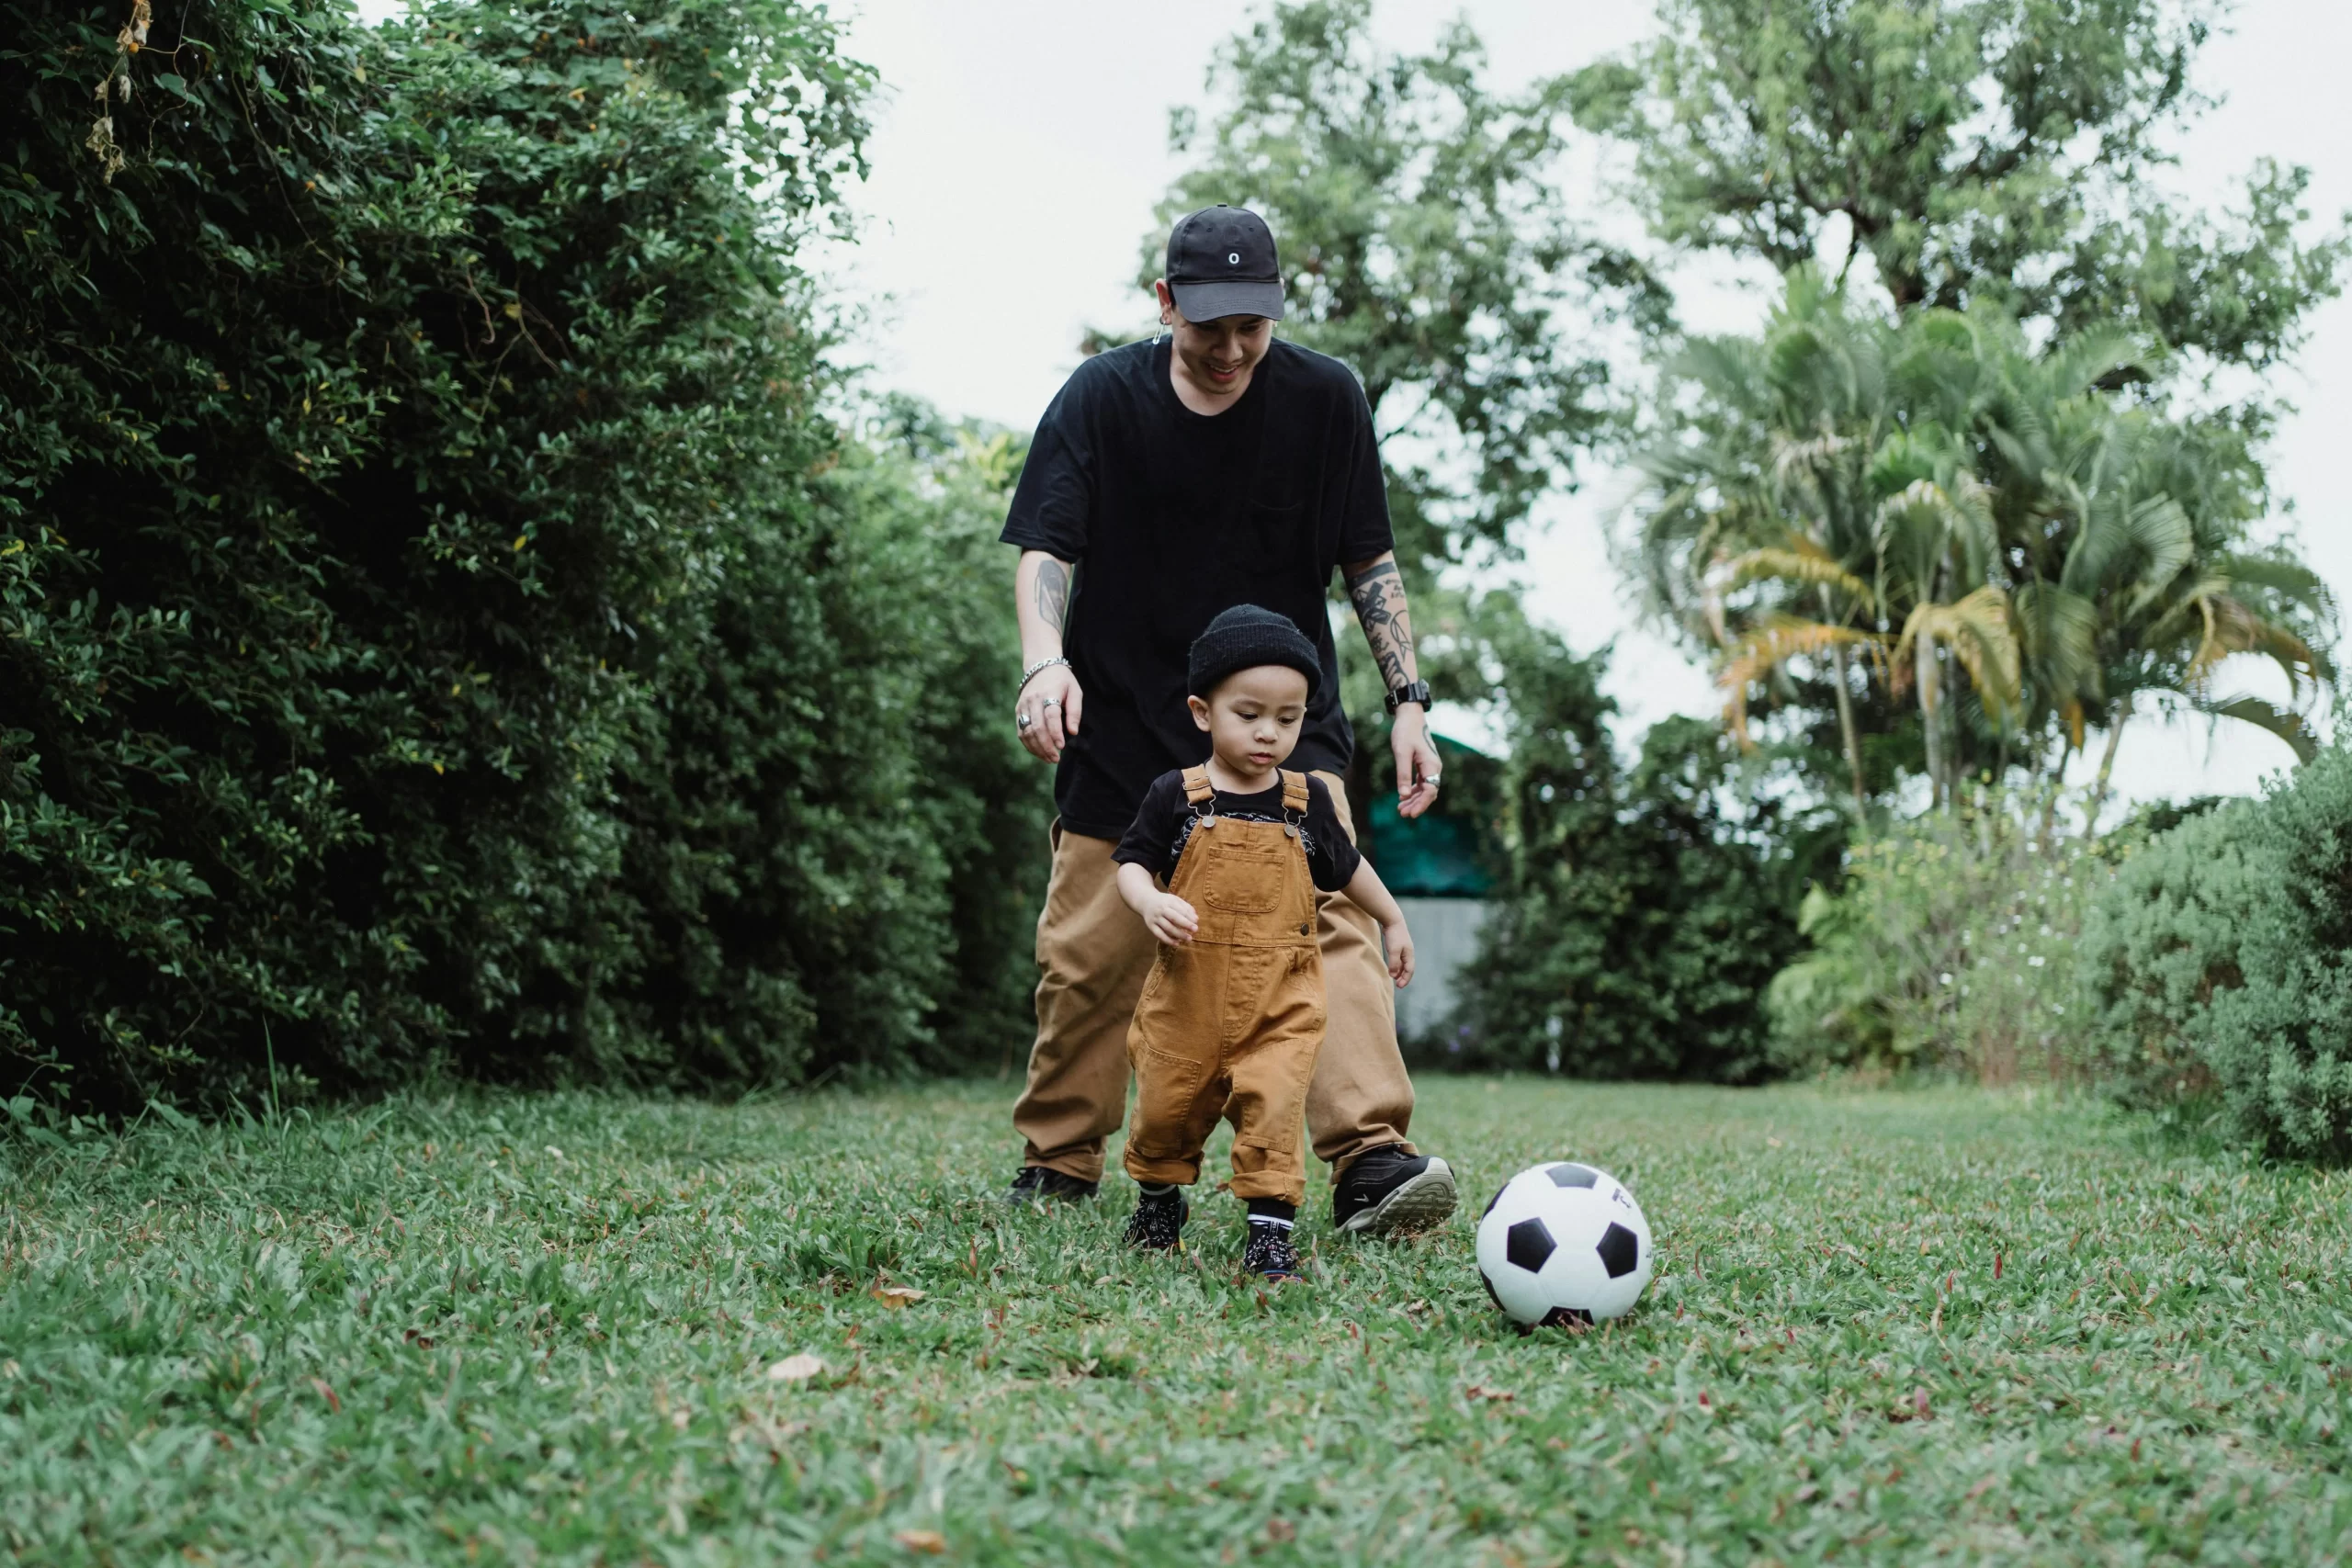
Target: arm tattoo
x,y
1052,592
1379,595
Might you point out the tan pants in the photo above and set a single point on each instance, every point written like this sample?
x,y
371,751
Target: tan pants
x,y
1092,955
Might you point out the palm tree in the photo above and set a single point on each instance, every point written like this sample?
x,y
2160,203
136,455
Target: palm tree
x,y
1767,487
1963,518
1855,534
2124,527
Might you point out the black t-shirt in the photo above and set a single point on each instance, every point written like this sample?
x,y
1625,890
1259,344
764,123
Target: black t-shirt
x,y
1163,825
1173,517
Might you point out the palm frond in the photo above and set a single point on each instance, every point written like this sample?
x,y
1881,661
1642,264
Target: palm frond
x,y
2289,580
1979,631
1762,650
1801,561
2060,630
2284,723
2232,627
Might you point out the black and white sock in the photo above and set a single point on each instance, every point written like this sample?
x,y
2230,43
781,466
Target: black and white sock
x,y
1273,1213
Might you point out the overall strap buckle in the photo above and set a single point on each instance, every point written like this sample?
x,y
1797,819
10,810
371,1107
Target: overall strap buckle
x,y
1200,793
1293,801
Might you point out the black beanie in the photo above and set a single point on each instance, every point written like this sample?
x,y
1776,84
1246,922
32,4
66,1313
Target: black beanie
x,y
1244,638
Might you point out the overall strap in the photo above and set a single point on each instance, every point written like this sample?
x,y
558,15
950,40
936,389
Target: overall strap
x,y
1196,786
1294,792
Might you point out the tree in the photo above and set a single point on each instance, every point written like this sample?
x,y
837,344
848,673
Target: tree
x,y
2001,152
1642,909
1426,248
1973,519
439,626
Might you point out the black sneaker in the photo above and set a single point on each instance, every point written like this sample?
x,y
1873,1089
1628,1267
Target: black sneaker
x,y
1388,1192
1037,1183
1270,1254
1157,1223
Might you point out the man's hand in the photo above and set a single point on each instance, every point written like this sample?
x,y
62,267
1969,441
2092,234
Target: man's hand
x,y
1045,711
1051,703
1417,761
1398,941
1169,919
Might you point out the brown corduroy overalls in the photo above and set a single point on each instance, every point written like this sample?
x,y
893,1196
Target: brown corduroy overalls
x,y
1230,1023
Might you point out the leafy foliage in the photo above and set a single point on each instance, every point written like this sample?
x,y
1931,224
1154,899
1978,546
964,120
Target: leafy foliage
x,y
1859,516
1644,911
1948,945
430,597
2220,967
1992,152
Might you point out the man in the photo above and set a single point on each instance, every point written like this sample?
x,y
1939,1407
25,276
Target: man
x,y
1211,466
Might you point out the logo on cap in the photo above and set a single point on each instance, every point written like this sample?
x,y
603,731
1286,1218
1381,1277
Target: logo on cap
x,y
1233,258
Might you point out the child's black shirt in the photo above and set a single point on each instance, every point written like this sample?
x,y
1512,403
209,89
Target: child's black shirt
x,y
1164,824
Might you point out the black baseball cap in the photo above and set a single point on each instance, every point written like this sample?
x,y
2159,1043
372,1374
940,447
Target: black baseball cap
x,y
1221,262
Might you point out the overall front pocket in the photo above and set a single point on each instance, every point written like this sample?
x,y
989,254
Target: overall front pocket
x,y
1242,878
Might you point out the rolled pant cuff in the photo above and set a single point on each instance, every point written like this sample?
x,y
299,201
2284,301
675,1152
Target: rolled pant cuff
x,y
1083,1167
1293,1192
1182,1172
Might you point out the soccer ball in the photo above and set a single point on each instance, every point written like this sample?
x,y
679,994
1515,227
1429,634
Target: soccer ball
x,y
1564,1242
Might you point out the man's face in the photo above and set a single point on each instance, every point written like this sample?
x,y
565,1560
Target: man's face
x,y
1217,355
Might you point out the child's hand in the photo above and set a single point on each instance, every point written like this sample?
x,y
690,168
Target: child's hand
x,y
1399,943
1169,919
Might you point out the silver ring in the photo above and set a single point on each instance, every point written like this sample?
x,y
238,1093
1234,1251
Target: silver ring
x,y
1022,721
1051,703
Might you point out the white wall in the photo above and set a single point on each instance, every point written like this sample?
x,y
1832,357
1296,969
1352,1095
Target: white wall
x,y
1445,933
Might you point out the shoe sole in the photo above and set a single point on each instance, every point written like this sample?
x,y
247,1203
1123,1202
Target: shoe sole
x,y
1419,1204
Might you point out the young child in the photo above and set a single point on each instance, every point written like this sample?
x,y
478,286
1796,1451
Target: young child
x,y
1231,1016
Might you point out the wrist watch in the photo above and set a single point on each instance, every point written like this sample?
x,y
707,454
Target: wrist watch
x,y
1413,692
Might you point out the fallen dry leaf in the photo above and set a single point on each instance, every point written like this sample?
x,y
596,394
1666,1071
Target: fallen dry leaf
x,y
896,1296
796,1369
1480,1390
930,1541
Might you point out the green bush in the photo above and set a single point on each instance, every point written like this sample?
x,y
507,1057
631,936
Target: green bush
x,y
438,626
2220,966
1948,945
1643,913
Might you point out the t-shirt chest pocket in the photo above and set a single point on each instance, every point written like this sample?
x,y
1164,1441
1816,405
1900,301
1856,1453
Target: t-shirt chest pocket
x,y
1274,535
1244,877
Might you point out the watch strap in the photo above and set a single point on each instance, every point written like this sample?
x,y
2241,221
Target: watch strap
x,y
1411,692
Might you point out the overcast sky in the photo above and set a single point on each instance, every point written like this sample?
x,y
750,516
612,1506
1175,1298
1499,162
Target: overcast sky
x,y
1023,146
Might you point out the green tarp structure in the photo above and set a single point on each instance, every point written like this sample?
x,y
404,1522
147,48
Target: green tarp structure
x,y
1441,855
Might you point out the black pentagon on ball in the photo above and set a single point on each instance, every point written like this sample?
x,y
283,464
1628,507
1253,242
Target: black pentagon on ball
x,y
1620,1250
1573,1176
1567,1317
1492,1201
1493,1293
1528,1244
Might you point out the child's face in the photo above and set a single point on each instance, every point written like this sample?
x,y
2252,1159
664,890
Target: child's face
x,y
1253,718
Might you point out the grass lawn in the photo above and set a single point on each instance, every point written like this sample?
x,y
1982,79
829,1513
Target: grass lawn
x,y
1887,1327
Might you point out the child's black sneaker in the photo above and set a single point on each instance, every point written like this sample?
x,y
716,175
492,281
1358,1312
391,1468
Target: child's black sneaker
x,y
1270,1254
1157,1223
1037,1183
